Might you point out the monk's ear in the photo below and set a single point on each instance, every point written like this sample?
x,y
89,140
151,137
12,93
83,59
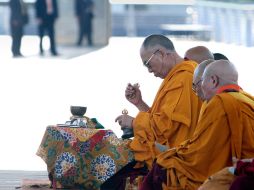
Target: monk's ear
x,y
215,80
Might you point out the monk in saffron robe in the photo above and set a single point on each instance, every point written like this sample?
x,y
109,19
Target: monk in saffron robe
x,y
172,117
197,79
198,54
174,113
225,130
223,179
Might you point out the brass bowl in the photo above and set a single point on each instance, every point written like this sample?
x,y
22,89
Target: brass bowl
x,y
78,111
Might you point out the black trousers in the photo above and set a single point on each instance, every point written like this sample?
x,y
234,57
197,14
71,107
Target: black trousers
x,y
47,26
85,29
16,34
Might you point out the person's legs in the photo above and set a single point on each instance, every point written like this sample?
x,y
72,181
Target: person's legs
x,y
16,33
41,29
14,41
89,33
87,29
51,33
19,39
81,31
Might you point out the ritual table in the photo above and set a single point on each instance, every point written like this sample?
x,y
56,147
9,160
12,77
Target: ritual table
x,y
82,157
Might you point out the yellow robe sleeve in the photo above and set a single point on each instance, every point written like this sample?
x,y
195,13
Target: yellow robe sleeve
x,y
171,119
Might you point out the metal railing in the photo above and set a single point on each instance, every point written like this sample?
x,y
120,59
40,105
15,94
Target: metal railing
x,y
230,22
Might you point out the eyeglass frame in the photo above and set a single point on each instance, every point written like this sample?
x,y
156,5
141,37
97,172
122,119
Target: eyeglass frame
x,y
146,63
194,86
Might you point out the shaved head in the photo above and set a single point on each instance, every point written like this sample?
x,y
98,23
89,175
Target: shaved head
x,y
224,70
201,67
217,74
197,77
199,54
158,55
157,40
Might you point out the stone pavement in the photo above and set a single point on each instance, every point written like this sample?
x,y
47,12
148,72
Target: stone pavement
x,y
10,180
30,48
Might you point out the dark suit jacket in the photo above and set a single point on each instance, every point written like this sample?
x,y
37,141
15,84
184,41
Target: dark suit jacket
x,y
84,8
16,12
41,10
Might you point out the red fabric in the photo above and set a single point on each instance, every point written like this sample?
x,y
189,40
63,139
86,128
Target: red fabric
x,y
229,87
245,179
155,178
245,168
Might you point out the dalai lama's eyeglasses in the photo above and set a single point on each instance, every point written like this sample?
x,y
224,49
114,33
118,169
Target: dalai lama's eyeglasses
x,y
196,85
146,63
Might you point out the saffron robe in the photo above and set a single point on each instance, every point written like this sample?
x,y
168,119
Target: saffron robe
x,y
225,130
172,117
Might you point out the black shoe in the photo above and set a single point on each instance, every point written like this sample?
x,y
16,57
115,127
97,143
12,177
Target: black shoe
x,y
41,53
17,55
54,54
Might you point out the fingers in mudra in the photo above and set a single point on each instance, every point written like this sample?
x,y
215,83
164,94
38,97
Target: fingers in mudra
x,y
131,90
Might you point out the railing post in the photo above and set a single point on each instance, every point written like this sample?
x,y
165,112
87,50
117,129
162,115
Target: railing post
x,y
231,22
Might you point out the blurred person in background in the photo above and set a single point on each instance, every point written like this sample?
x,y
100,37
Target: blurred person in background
x,y
84,12
18,19
46,14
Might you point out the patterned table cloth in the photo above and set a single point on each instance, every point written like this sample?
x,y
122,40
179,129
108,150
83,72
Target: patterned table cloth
x,y
82,157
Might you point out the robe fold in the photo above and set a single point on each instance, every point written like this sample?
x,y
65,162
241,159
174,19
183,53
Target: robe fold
x,y
172,117
225,130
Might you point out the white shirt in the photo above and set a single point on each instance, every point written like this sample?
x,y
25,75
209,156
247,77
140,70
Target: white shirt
x,y
49,7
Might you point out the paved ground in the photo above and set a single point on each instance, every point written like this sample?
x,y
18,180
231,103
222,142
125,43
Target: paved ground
x,y
38,91
10,180
30,49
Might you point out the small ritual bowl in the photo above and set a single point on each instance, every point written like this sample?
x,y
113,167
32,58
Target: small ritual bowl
x,y
78,111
